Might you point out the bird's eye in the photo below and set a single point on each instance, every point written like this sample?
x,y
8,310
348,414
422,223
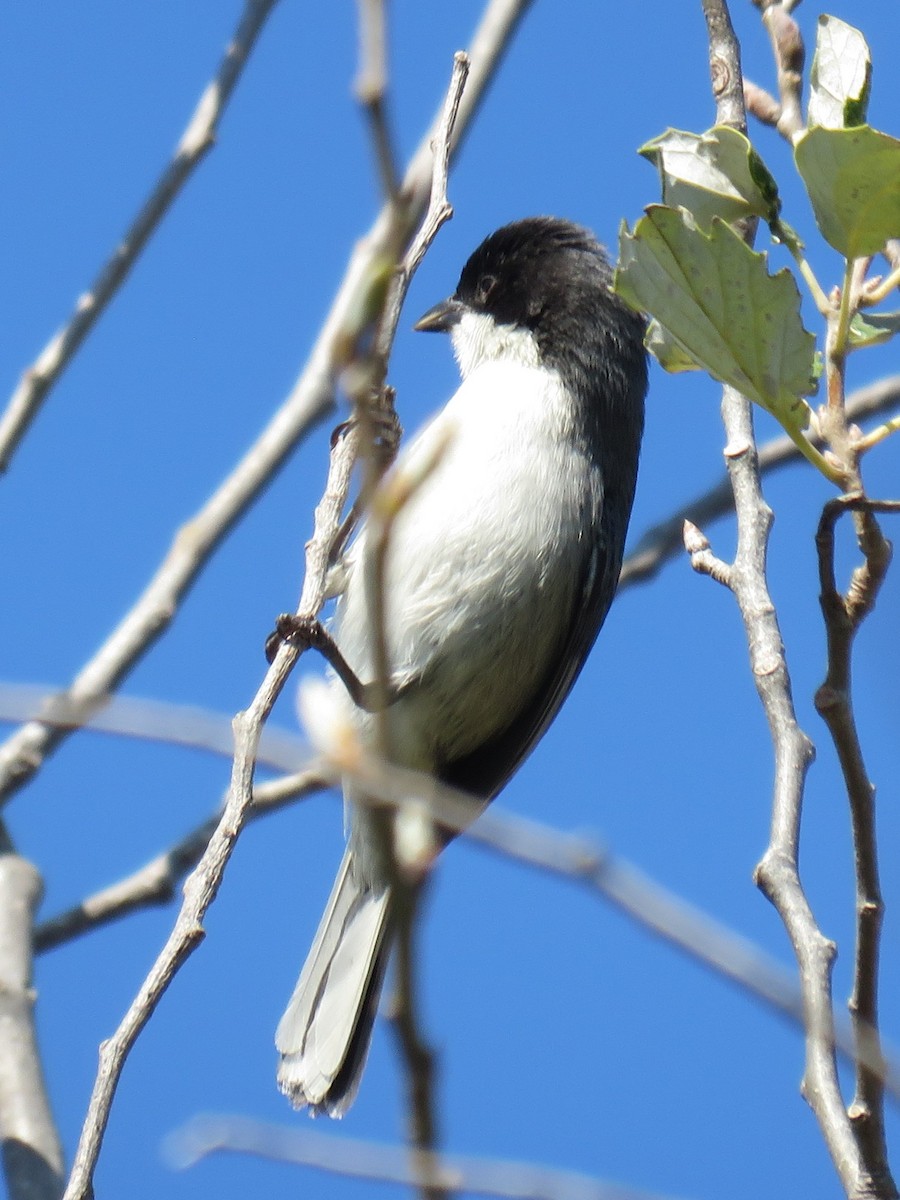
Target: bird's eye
x,y
486,285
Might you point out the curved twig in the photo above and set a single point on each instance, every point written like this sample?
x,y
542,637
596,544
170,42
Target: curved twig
x,y
197,140
843,615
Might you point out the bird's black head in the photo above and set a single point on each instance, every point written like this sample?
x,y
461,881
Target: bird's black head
x,y
538,274
552,278
539,291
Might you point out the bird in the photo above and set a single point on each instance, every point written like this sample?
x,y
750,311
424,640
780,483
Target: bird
x,y
501,569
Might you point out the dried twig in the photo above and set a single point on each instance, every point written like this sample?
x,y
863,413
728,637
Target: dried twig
x,y
202,885
371,88
196,141
311,399
843,615
32,1155
206,1135
789,51
778,872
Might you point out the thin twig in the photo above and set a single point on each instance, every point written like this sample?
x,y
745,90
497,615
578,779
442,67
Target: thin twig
x,y
663,541
778,872
576,858
197,140
439,208
311,399
790,53
371,91
387,504
202,885
581,860
205,1135
405,879
843,615
157,882
32,1154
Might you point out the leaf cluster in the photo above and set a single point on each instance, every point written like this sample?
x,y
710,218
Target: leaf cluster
x,y
713,303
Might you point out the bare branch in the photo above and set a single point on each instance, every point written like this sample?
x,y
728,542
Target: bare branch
x,y
32,1154
196,141
357,1159
202,885
150,720
582,860
439,208
387,505
575,858
310,401
843,615
778,872
724,65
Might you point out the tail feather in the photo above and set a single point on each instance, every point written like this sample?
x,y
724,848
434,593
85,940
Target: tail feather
x,y
323,1037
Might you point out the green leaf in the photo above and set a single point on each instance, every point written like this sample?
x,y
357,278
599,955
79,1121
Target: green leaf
x,y
853,180
715,174
841,76
871,329
718,303
666,350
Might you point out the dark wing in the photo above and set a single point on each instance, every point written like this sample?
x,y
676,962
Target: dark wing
x,y
487,769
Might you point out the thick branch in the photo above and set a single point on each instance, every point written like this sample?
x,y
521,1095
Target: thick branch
x,y
778,872
32,1155
198,138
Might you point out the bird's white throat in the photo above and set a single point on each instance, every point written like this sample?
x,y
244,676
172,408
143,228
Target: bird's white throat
x,y
478,338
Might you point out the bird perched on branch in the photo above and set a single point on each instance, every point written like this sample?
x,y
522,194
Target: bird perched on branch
x,y
500,571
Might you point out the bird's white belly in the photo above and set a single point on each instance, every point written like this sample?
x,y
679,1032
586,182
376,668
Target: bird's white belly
x,y
481,566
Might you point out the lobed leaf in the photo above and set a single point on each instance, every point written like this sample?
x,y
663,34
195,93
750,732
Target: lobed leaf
x,y
714,174
716,300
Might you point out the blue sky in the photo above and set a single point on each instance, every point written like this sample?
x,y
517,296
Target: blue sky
x,y
566,1034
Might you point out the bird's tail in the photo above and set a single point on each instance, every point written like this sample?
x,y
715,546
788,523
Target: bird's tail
x,y
323,1037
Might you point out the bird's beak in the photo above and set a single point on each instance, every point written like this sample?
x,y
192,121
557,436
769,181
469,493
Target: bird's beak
x,y
442,317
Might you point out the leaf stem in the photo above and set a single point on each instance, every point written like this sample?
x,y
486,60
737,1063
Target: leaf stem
x,y
877,435
841,338
881,291
794,247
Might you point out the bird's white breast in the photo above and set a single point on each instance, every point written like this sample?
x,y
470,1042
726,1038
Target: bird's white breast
x,y
482,563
